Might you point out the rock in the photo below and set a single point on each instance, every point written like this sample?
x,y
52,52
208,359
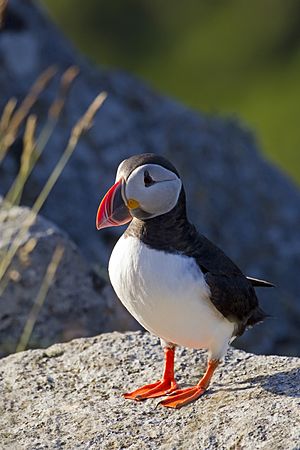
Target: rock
x,y
79,302
235,197
70,396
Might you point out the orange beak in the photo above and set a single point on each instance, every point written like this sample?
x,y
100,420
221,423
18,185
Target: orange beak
x,y
112,211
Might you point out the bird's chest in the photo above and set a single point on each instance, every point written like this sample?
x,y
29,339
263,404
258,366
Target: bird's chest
x,y
166,293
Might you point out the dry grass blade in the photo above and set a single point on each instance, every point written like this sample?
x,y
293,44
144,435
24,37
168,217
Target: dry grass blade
x,y
81,126
6,116
13,248
40,298
20,114
66,80
28,143
14,194
37,88
3,5
54,113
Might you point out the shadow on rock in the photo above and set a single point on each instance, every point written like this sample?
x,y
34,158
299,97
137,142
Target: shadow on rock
x,y
281,383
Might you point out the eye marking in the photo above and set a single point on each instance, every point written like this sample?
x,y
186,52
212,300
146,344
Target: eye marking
x,y
148,180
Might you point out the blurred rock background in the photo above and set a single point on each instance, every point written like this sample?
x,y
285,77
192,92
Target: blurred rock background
x,y
79,302
237,198
235,57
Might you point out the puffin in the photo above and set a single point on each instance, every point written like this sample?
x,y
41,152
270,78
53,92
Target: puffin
x,y
174,281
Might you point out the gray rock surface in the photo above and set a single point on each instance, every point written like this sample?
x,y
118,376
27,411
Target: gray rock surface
x,y
69,396
79,302
235,197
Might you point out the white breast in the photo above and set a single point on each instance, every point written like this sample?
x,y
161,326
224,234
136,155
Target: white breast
x,y
168,295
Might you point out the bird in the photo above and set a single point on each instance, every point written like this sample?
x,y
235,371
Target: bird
x,y
173,280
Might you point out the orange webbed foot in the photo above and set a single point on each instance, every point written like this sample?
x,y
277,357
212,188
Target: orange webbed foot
x,y
158,389
182,397
162,387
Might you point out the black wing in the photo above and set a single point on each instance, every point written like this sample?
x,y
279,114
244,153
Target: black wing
x,y
231,292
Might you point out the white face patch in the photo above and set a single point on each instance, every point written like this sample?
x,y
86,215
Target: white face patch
x,y
155,188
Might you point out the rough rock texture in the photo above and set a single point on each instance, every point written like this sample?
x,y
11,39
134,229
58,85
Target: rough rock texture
x,y
235,197
79,302
69,397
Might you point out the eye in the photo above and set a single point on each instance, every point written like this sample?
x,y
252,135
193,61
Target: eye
x,y
148,180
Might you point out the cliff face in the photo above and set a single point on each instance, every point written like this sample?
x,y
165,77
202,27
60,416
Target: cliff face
x,y
69,396
235,197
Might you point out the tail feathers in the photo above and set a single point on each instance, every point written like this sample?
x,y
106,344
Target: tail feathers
x,y
257,316
256,282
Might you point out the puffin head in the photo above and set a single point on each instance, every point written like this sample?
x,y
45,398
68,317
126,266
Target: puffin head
x,y
146,186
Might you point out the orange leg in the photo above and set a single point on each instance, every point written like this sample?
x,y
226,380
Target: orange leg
x,y
182,397
163,387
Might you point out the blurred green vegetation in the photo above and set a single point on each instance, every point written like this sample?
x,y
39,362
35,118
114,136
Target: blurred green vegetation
x,y
235,57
